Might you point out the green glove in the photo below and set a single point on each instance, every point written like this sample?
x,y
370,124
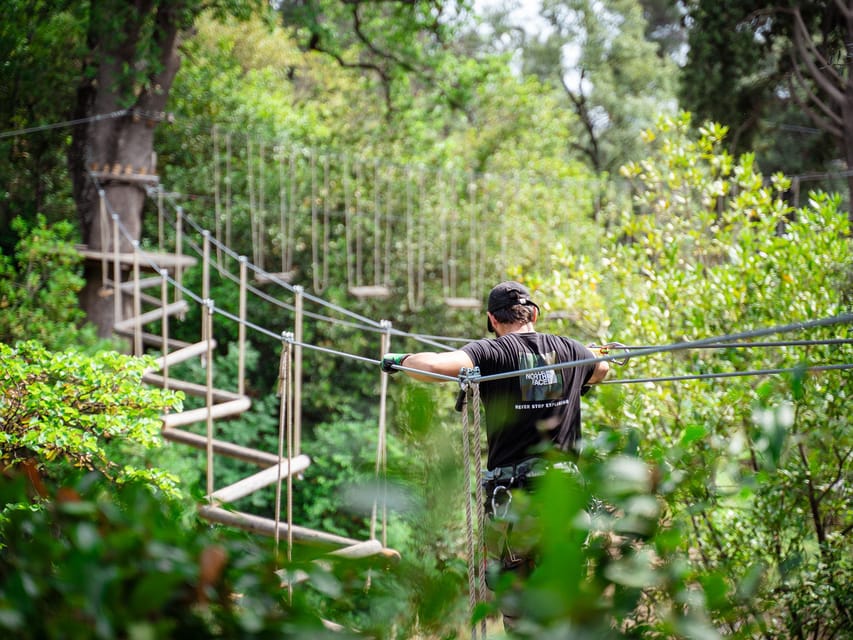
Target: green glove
x,y
390,360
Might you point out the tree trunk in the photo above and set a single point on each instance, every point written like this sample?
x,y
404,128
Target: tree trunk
x,y
847,113
122,144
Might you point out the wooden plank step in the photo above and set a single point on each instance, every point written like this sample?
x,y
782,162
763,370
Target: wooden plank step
x,y
190,388
150,316
267,526
222,410
370,291
182,355
155,339
144,283
463,303
259,480
283,276
168,261
236,451
360,550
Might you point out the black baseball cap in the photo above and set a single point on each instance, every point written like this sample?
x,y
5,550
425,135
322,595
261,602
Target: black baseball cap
x,y
508,294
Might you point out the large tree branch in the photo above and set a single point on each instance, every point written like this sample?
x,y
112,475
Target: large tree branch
x,y
829,81
832,123
397,60
819,121
579,102
845,10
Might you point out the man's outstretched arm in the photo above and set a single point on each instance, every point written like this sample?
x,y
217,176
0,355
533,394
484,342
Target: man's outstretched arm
x,y
448,363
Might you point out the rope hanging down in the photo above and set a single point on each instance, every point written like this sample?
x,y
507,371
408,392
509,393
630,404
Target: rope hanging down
x,y
475,534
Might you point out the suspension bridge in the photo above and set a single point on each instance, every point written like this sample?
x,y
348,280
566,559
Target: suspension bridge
x,y
341,210
125,281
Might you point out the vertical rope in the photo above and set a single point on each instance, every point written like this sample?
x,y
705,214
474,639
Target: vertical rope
x,y
241,329
164,324
228,189
298,304
261,203
217,199
283,393
137,303
105,241
473,238
209,398
377,226
326,217
161,232
289,431
389,218
442,216
453,257
358,222
480,552
411,294
282,213
421,223
315,249
381,454
205,278
291,227
179,249
348,231
117,296
253,223
469,518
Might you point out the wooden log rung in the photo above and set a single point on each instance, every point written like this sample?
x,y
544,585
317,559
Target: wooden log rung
x,y
223,410
144,283
170,261
150,316
154,339
267,526
370,291
187,353
283,276
190,388
229,449
259,480
463,303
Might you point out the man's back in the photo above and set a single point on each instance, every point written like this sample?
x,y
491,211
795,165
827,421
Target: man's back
x,y
525,411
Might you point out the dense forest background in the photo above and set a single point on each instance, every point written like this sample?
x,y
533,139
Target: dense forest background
x,y
657,172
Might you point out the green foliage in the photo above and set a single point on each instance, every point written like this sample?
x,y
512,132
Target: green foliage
x,y
66,410
711,248
103,561
39,285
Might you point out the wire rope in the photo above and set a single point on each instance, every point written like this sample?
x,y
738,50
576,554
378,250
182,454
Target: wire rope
x,y
681,346
731,374
712,341
68,123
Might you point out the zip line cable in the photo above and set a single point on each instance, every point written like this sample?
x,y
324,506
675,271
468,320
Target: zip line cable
x,y
731,374
68,123
746,345
373,326
715,342
681,346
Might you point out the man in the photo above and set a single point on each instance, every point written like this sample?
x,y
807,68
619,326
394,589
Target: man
x,y
525,414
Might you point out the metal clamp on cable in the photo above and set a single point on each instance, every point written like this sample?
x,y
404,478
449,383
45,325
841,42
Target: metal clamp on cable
x,y
465,375
605,350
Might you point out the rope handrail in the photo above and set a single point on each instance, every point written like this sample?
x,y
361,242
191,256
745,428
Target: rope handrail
x,y
373,325
68,123
731,374
747,345
641,351
682,346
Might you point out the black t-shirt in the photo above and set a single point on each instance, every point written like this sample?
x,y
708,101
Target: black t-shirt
x,y
524,411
